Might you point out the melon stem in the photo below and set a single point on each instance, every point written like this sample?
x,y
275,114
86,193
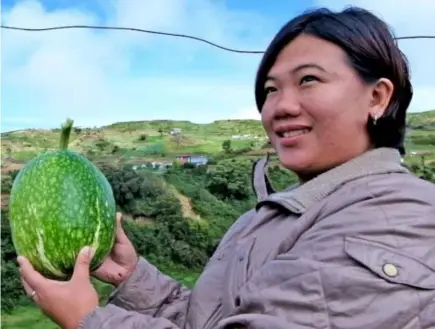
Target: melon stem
x,y
65,133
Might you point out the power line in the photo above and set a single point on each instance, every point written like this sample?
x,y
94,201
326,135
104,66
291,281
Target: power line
x,y
96,27
415,37
132,29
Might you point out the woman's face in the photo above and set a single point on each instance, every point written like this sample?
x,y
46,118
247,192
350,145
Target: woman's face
x,y
317,107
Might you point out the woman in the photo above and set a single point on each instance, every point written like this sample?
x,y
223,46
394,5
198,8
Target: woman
x,y
351,246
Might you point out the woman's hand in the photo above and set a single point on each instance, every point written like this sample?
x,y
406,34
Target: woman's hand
x,y
65,302
121,261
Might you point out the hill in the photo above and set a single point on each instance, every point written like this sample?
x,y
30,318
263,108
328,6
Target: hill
x,y
149,139
422,120
163,140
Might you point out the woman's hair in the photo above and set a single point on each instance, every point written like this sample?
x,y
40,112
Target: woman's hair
x,y
371,51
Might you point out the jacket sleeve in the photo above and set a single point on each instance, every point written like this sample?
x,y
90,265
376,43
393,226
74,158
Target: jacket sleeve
x,y
116,318
274,299
149,292
148,298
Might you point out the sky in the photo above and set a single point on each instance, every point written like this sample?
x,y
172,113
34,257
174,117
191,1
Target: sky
x,y
100,77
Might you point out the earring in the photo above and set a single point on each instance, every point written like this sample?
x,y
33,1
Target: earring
x,y
375,118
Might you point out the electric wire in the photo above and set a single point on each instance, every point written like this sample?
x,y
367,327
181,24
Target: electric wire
x,y
178,35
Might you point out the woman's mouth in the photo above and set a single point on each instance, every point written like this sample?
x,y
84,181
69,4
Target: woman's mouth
x,y
293,133
291,136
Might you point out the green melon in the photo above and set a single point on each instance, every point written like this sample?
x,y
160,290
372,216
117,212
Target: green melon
x,y
59,203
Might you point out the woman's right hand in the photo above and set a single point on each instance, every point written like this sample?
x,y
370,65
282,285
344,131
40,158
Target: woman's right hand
x,y
121,261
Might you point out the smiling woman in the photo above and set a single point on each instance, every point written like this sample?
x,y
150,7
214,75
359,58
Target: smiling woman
x,y
328,79
351,245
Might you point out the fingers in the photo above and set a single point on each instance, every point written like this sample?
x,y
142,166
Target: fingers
x,y
29,290
34,280
120,234
81,268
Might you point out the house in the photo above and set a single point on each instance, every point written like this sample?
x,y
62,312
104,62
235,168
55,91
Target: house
x,y
175,131
194,159
183,158
199,160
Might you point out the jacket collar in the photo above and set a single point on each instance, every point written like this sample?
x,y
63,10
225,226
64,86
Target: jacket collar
x,y
300,197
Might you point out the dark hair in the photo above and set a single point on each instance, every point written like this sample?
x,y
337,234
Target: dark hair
x,y
372,51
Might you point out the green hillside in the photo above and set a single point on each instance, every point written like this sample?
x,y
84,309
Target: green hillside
x,y
422,120
150,139
128,141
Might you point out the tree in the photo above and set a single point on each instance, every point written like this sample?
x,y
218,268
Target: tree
x,y
424,171
143,137
226,146
230,180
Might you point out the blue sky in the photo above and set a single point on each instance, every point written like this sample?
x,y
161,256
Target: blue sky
x,y
100,77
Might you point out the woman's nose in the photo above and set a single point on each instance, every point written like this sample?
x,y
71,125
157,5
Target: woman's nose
x,y
287,104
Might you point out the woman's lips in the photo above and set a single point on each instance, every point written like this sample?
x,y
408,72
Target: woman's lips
x,y
290,135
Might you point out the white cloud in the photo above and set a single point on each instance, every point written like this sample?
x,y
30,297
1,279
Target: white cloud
x,y
88,74
99,77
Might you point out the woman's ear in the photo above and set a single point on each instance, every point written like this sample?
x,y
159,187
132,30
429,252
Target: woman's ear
x,y
381,94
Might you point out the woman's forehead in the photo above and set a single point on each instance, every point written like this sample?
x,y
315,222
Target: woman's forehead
x,y
307,53
309,48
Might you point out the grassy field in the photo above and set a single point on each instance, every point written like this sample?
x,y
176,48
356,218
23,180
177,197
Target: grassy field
x,y
137,142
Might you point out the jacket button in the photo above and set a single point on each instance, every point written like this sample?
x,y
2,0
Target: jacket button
x,y
390,270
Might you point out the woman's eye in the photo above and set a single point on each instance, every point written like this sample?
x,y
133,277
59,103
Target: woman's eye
x,y
308,78
268,90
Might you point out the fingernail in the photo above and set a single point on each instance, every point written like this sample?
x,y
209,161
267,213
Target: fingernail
x,y
91,252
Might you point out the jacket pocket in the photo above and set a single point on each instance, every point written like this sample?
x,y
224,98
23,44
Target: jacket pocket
x,y
391,264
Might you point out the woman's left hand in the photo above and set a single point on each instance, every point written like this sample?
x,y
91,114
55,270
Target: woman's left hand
x,y
65,302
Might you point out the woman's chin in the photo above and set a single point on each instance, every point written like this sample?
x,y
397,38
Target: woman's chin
x,y
303,165
294,161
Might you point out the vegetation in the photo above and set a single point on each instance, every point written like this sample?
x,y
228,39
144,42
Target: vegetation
x,y
175,213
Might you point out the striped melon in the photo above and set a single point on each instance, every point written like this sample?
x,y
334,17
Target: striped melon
x,y
59,203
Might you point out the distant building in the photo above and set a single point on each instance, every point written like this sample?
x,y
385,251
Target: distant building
x,y
245,136
154,165
194,159
175,131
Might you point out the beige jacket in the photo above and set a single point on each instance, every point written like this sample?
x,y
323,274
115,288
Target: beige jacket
x,y
352,248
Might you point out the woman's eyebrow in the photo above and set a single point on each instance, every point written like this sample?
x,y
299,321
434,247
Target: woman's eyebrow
x,y
306,66
298,68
